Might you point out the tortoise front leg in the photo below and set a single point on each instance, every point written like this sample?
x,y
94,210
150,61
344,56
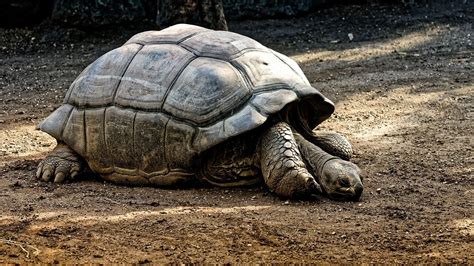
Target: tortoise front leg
x,y
281,164
60,164
333,143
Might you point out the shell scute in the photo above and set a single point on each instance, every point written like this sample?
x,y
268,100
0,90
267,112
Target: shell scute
x,y
97,84
206,90
150,75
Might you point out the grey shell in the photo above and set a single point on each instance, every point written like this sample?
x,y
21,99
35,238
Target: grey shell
x,y
150,106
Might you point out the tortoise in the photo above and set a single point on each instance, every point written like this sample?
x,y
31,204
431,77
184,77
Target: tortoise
x,y
187,104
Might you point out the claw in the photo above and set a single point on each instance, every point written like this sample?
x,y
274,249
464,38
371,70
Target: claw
x,y
313,186
39,170
59,178
46,175
74,174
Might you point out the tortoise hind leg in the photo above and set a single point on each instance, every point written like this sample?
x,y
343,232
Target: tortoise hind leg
x,y
233,163
282,167
60,164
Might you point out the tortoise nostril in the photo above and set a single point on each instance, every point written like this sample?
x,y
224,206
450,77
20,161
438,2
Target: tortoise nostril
x,y
344,182
358,189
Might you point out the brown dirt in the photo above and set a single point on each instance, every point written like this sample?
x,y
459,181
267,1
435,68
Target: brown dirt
x,y
403,90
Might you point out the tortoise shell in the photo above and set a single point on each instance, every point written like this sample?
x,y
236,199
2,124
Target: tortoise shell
x,y
150,106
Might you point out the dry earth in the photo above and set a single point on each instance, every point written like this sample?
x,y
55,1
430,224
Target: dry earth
x,y
403,89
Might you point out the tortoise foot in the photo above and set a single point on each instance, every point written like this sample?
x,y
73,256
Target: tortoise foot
x,y
61,164
282,167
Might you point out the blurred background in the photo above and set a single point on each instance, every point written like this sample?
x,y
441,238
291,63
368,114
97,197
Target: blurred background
x,y
210,13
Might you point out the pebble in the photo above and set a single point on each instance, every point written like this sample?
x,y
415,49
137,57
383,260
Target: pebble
x,y
378,189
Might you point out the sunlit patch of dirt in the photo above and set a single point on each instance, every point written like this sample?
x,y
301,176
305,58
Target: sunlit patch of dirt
x,y
20,141
366,51
466,226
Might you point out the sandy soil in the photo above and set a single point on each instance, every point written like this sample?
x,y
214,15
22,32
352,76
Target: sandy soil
x,y
404,91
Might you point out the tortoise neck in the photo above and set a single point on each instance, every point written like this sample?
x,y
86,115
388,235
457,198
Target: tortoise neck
x,y
314,156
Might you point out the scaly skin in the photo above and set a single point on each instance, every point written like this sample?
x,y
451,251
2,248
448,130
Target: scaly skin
x,y
332,143
60,164
338,178
281,164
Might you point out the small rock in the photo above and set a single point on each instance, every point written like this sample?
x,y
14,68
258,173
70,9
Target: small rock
x,y
351,36
286,202
378,189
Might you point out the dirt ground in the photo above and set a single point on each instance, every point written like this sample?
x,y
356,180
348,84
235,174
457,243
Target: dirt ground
x,y
403,89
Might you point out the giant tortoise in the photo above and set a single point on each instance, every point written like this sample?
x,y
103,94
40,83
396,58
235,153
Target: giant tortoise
x,y
192,104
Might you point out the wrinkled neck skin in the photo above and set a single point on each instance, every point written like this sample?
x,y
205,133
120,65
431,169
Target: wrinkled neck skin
x,y
317,156
297,118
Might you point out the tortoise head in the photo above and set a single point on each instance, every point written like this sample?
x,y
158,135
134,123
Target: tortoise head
x,y
341,180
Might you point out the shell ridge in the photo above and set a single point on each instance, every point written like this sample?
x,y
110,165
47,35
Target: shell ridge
x,y
187,37
251,103
133,137
216,56
106,144
84,124
296,72
105,135
67,119
123,72
164,41
245,76
165,158
168,90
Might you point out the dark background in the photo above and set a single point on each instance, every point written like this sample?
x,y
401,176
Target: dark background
x,y
95,13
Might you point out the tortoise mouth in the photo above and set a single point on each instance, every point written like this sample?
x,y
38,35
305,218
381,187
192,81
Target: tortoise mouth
x,y
352,193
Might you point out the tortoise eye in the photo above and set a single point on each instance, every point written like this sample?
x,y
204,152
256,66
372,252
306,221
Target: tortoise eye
x,y
344,182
